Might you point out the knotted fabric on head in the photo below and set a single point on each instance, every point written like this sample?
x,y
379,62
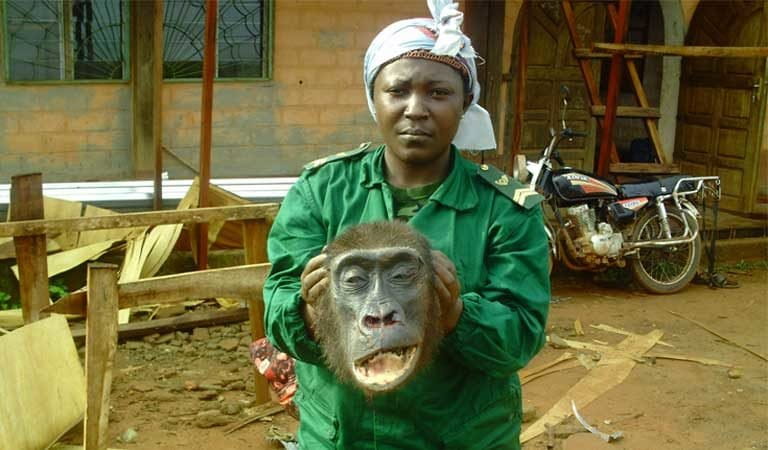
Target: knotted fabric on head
x,y
440,35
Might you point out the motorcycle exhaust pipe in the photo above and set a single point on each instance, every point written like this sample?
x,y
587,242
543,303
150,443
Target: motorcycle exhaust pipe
x,y
661,243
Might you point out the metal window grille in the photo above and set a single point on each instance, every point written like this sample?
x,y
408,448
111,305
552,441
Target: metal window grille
x,y
65,39
241,39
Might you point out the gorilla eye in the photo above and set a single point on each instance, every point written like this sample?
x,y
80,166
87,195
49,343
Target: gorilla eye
x,y
403,275
354,281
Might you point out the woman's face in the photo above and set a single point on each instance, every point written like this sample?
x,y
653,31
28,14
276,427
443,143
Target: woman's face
x,y
419,104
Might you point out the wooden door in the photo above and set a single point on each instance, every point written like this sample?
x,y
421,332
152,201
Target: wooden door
x,y
722,104
550,65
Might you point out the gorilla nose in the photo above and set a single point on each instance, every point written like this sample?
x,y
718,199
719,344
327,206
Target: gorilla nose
x,y
380,316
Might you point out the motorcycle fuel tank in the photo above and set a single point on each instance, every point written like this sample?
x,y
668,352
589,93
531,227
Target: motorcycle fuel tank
x,y
575,186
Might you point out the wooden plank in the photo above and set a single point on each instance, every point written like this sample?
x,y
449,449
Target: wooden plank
x,y
69,259
682,50
644,168
585,68
588,54
232,282
31,256
627,111
130,220
522,72
42,386
607,146
157,99
183,322
206,114
143,88
255,245
100,347
650,125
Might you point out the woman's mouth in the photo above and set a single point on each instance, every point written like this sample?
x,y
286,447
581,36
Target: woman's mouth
x,y
414,132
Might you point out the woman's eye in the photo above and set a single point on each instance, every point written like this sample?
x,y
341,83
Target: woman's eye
x,y
396,91
440,92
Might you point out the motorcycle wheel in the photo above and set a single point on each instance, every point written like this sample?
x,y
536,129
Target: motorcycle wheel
x,y
665,270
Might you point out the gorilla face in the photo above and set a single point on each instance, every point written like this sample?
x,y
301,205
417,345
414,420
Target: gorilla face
x,y
379,322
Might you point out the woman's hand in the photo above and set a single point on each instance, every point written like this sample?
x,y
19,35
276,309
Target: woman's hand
x,y
448,289
314,284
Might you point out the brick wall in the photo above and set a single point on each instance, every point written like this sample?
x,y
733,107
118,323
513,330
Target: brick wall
x,y
314,105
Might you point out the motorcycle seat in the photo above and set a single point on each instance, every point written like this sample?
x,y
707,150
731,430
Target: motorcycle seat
x,y
655,188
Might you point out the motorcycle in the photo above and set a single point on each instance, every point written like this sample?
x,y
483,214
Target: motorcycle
x,y
593,224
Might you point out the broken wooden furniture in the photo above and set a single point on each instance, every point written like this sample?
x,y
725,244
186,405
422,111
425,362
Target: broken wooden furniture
x,y
42,387
105,296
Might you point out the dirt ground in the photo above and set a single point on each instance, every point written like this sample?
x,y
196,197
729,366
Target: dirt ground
x,y
184,390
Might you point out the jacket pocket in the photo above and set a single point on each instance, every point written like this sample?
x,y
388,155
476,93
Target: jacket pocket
x,y
318,424
496,427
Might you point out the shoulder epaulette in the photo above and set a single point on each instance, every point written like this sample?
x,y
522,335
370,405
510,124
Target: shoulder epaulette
x,y
519,193
364,147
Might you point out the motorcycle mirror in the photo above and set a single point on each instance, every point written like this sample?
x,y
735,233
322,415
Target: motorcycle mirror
x,y
566,94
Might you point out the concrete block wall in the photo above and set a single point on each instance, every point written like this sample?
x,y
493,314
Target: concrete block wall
x,y
314,105
68,132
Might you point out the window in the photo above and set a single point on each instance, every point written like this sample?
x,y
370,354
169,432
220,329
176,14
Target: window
x,y
65,39
242,41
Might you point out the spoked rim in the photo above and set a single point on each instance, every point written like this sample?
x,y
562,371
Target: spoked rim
x,y
667,265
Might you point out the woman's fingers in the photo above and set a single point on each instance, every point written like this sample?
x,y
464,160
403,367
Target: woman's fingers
x,y
314,279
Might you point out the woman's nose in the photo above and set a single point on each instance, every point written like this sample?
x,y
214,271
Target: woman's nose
x,y
416,108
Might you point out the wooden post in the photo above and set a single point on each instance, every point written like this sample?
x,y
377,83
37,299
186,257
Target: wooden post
x,y
255,247
157,104
522,71
31,254
146,90
614,83
209,67
100,346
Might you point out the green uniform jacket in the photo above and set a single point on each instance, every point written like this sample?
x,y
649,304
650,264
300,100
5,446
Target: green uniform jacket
x,y
469,398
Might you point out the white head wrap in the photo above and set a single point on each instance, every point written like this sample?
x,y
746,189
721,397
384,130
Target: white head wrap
x,y
475,129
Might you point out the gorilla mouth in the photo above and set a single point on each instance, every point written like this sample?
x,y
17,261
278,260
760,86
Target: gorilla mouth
x,y
386,369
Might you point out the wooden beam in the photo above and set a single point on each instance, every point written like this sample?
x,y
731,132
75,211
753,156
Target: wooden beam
x,y
209,68
144,90
522,72
607,146
183,322
232,282
31,254
628,111
142,219
644,168
255,245
100,347
683,50
157,101
650,125
586,68
589,54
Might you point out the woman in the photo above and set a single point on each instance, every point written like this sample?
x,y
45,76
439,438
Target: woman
x,y
491,253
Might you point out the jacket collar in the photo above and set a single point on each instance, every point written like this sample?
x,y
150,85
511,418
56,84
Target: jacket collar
x,y
457,191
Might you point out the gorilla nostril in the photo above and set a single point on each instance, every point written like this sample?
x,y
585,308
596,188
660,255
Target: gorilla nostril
x,y
372,322
390,319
